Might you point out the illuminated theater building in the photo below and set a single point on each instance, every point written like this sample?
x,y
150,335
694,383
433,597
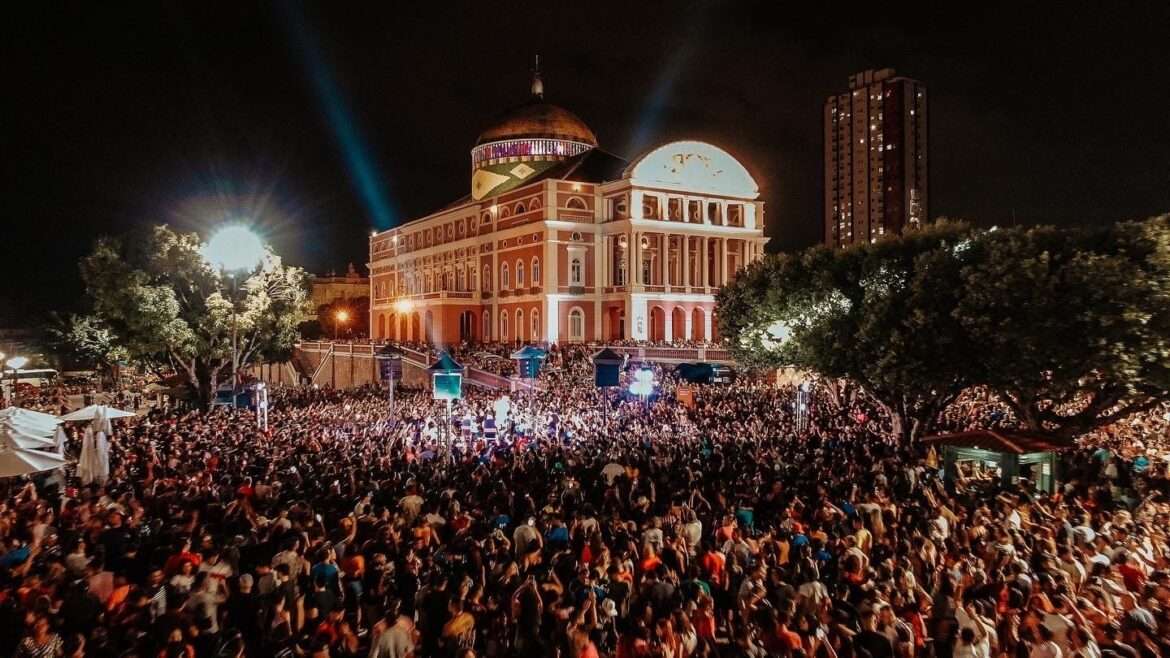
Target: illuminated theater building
x,y
561,241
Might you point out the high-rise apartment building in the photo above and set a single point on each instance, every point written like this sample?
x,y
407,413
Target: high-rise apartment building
x,y
875,158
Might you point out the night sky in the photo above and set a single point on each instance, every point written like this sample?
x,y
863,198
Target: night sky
x,y
118,115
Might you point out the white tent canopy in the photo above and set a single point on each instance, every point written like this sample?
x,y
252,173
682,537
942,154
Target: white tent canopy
x,y
94,411
18,437
15,462
18,453
30,419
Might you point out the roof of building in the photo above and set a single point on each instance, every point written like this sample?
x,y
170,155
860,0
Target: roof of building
x,y
1000,441
538,119
593,166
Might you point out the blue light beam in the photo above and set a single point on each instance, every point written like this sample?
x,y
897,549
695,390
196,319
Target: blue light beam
x,y
359,161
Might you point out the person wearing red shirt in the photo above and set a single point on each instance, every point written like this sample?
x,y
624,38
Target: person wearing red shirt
x,y
1133,577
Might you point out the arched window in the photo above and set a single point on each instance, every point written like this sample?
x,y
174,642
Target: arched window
x,y
487,325
503,325
649,207
519,273
487,278
520,208
459,279
536,280
535,320
576,203
576,272
621,208
534,204
576,324
505,280
519,324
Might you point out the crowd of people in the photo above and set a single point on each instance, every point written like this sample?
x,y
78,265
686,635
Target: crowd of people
x,y
578,522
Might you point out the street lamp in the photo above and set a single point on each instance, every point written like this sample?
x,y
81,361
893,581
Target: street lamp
x,y
16,363
340,317
234,249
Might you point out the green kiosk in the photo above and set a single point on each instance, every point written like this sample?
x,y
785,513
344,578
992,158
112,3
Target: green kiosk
x,y
1013,455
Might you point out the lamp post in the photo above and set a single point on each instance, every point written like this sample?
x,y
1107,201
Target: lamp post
x,y
16,363
234,249
403,306
339,318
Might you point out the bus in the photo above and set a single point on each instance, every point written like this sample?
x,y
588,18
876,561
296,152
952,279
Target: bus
x,y
31,376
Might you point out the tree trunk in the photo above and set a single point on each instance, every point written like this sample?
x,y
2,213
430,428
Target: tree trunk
x,y
205,385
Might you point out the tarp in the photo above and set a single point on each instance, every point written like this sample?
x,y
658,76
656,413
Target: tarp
x,y
93,410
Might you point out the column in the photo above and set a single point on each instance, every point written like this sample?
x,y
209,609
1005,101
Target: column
x,y
668,330
688,325
706,324
636,204
723,262
628,256
550,268
636,247
494,320
704,279
606,263
664,254
685,257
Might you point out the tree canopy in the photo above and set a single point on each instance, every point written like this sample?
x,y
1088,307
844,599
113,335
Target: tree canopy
x,y
165,303
1067,327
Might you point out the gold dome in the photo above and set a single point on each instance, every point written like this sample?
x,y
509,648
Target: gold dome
x,y
538,120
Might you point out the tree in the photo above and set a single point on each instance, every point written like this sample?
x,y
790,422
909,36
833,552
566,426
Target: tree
x,y
164,302
880,315
89,340
1073,325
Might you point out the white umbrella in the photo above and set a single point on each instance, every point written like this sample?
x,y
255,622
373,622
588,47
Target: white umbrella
x,y
87,461
94,410
23,439
30,418
33,429
59,439
15,460
101,442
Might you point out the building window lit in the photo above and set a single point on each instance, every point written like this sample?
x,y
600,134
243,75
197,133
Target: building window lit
x,y
576,272
535,315
535,271
519,274
576,324
503,325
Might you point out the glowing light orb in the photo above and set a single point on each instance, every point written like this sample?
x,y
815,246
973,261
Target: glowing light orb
x,y
234,248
